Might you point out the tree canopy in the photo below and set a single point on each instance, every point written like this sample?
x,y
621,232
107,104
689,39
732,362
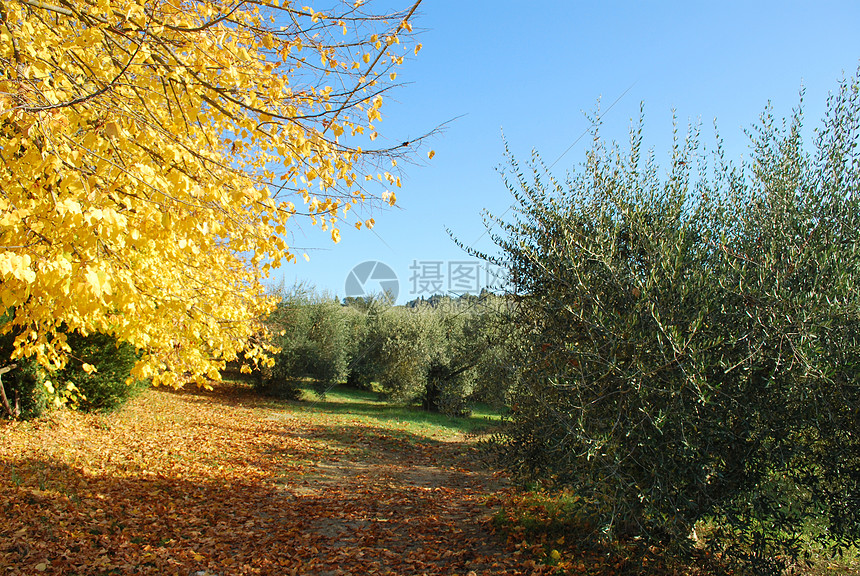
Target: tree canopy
x,y
154,157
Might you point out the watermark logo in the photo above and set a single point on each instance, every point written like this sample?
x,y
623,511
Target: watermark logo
x,y
456,277
372,277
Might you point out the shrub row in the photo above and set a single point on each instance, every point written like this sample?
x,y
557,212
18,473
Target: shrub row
x,y
434,355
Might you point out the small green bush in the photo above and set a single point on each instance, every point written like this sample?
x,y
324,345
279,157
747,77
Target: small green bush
x,y
32,389
365,341
24,387
106,388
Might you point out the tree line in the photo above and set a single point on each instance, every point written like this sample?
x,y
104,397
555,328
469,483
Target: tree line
x,y
443,353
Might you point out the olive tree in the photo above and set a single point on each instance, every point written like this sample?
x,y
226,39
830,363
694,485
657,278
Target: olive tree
x,y
688,340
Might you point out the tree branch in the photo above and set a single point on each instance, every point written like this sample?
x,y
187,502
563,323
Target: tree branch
x,y
49,7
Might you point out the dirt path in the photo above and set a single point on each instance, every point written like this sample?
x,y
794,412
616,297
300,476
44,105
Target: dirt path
x,y
224,484
407,511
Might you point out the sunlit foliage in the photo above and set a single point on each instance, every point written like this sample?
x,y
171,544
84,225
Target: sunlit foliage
x,y
155,156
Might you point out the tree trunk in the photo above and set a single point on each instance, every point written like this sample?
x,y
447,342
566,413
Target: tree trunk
x,y
12,413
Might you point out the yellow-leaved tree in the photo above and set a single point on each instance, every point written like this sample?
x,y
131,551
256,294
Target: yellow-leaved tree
x,y
155,153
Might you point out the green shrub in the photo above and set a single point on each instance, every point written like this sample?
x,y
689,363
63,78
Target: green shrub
x,y
23,383
688,344
428,352
24,387
454,368
492,349
106,388
365,340
32,389
406,341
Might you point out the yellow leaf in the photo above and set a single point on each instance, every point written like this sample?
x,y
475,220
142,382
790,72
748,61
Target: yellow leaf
x,y
431,154
146,215
112,129
92,278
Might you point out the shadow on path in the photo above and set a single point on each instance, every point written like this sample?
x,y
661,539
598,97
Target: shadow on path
x,y
197,483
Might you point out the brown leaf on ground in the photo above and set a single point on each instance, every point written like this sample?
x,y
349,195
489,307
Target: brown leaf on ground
x,y
227,483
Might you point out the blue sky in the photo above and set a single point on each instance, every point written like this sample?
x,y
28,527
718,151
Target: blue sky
x,y
532,70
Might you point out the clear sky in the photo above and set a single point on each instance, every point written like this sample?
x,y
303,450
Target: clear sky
x,y
532,70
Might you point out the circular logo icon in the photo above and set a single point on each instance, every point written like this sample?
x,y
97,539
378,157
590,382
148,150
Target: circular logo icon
x,y
372,277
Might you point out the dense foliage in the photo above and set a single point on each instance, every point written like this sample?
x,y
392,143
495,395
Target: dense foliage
x,y
689,345
312,338
22,388
427,353
97,377
109,385
155,157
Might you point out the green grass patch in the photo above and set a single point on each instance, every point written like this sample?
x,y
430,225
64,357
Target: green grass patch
x,y
348,405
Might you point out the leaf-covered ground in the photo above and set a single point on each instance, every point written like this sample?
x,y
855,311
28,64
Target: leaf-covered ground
x,y
227,483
